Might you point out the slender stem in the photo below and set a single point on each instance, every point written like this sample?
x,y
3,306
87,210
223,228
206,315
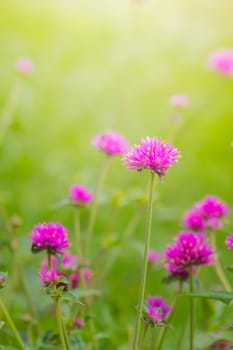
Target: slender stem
x,y
165,329
95,202
12,325
60,324
49,261
145,262
217,265
77,232
65,333
143,336
7,115
191,308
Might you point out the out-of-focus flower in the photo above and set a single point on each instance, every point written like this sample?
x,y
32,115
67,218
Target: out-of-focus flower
x,y
69,262
194,220
80,195
179,100
3,279
152,154
153,256
221,344
86,274
156,310
212,207
221,61
111,143
229,242
48,276
79,322
189,249
24,65
49,236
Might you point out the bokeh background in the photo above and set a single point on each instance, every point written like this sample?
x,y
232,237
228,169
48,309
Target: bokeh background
x,y
114,65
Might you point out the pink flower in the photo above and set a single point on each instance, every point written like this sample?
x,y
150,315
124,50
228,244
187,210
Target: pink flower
x,y
50,236
153,256
157,309
194,220
3,279
152,154
69,262
179,100
212,207
80,195
221,344
86,274
229,242
111,143
189,249
79,322
24,65
47,275
221,61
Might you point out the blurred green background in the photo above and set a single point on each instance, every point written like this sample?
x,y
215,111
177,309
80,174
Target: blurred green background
x,y
114,65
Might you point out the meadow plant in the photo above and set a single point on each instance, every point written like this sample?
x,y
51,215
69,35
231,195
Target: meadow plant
x,y
221,61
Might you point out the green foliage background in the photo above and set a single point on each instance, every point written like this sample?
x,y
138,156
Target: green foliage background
x,y
114,65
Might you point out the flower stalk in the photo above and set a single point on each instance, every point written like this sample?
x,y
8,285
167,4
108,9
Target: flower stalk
x,y
145,262
191,309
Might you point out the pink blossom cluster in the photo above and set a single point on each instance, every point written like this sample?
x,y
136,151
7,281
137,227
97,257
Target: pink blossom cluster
x,y
179,101
221,61
152,154
111,142
80,195
189,249
24,65
156,310
49,236
205,214
229,242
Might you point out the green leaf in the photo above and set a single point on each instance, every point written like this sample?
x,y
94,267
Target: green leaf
x,y
225,297
2,324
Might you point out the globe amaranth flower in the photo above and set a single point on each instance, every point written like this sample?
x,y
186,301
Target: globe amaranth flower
x,y
205,214
24,65
179,100
111,142
156,310
80,195
221,61
153,256
79,322
189,249
48,276
3,279
69,261
229,242
221,344
49,236
152,154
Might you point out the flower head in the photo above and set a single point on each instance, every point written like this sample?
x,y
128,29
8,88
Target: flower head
x,y
50,236
79,322
153,256
157,309
111,143
189,249
221,61
179,100
69,262
212,207
24,65
3,279
221,344
80,195
194,221
229,242
47,276
152,154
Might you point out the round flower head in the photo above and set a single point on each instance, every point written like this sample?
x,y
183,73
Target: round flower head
x,y
221,61
152,154
111,143
157,309
80,195
47,275
69,262
179,100
212,207
221,344
153,256
229,242
24,65
194,221
189,249
49,236
79,322
3,279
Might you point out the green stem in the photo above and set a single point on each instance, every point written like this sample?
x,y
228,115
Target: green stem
x,y
191,308
94,206
217,265
77,232
145,263
143,336
65,334
60,324
165,329
49,261
12,325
